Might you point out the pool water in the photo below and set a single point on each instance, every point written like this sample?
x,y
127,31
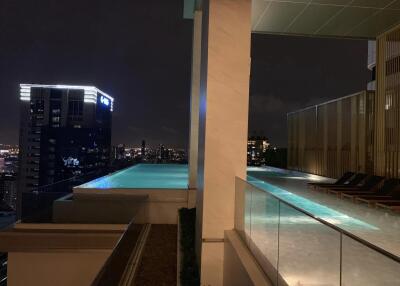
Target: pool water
x,y
174,176
323,212
144,176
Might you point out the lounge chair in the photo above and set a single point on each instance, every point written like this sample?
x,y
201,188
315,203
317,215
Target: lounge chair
x,y
341,181
388,189
392,208
392,204
370,184
356,180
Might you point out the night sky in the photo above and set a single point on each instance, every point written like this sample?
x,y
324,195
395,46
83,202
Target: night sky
x,y
140,53
290,73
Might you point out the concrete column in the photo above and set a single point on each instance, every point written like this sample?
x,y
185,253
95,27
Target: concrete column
x,y
339,135
325,127
379,163
354,139
195,101
224,97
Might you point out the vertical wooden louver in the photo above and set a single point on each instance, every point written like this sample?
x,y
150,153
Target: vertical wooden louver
x,y
387,108
358,132
334,137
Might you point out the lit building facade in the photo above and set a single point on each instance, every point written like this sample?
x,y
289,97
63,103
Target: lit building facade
x,y
8,189
119,152
64,131
143,150
256,148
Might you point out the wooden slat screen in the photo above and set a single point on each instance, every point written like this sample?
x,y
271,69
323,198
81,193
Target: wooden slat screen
x,y
332,138
387,105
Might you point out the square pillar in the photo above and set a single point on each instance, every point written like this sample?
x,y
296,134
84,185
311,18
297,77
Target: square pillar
x,y
223,124
195,101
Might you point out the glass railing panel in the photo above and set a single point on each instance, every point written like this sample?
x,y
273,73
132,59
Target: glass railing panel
x,y
309,251
362,265
264,231
243,193
295,248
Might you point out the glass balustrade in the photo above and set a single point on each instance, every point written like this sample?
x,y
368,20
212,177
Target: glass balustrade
x,y
293,247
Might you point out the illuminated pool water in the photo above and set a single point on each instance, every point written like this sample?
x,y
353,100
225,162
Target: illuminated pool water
x,y
174,176
144,176
323,212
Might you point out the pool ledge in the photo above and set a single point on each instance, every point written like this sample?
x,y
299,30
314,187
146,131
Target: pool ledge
x,y
155,206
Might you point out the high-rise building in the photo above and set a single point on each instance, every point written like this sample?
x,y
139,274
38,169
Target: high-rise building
x,y
65,131
8,189
256,148
120,152
143,151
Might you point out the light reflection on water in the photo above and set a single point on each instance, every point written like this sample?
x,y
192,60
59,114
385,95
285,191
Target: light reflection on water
x,y
325,213
144,176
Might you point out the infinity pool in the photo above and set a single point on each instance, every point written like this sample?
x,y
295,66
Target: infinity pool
x,y
327,214
144,176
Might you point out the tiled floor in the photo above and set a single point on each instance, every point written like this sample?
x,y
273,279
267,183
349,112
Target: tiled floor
x,y
158,264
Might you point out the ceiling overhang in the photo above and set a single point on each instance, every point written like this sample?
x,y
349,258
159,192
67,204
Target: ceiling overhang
x,y
325,18
362,19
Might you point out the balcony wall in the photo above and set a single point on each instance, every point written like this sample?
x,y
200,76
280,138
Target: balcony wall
x,y
57,254
155,206
240,267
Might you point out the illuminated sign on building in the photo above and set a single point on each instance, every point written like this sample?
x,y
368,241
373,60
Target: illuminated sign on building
x,y
71,162
104,100
90,93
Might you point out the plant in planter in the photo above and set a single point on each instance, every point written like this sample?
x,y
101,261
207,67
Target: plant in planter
x,y
189,269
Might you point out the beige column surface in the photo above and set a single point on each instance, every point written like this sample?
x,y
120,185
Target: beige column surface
x,y
339,126
379,138
224,96
195,101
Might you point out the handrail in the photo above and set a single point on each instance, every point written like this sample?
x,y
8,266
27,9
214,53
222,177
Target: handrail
x,y
58,182
329,101
70,179
338,229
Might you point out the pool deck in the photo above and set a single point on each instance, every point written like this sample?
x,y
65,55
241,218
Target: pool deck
x,y
379,227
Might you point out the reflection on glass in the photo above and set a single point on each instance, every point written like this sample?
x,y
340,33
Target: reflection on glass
x,y
294,248
309,251
243,209
362,265
264,231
